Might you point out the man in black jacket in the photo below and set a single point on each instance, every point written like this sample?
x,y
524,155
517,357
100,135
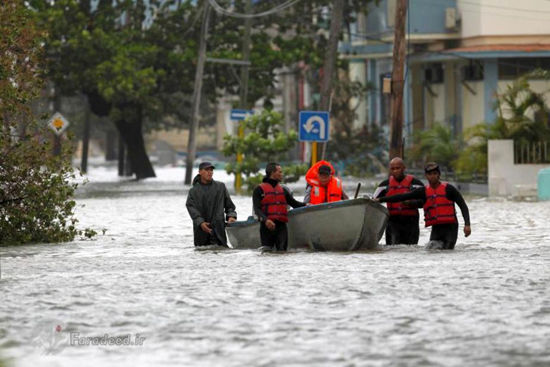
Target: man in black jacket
x,y
270,200
207,202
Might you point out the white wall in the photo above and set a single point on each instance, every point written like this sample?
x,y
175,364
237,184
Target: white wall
x,y
473,111
504,17
505,177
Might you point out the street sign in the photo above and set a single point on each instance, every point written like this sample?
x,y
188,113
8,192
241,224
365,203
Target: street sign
x,y
239,115
314,125
58,123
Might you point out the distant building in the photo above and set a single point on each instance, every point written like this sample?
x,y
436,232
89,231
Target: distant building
x,y
460,54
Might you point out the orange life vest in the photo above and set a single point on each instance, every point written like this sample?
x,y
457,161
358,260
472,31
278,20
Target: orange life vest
x,y
437,208
394,188
274,202
323,194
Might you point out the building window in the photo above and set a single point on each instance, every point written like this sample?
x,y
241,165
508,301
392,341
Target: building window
x,y
514,68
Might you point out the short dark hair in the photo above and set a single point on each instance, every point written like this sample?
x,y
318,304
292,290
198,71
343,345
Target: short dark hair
x,y
431,166
270,168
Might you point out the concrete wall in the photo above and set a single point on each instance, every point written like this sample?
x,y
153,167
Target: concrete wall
x,y
505,177
504,17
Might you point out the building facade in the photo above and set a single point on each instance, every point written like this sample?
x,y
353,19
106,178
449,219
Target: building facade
x,y
460,55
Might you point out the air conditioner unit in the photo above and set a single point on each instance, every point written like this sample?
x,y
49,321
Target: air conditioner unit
x,y
433,74
451,18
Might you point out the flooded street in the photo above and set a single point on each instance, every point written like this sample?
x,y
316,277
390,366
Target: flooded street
x,y
486,303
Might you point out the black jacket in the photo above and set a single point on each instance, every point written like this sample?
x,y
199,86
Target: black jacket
x,y
208,203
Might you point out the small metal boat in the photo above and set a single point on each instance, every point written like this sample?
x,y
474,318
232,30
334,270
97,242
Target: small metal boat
x,y
347,225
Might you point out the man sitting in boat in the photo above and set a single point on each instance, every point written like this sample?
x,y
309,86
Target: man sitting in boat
x,y
322,186
439,208
270,200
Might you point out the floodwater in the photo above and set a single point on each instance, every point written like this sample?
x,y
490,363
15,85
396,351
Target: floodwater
x,y
487,303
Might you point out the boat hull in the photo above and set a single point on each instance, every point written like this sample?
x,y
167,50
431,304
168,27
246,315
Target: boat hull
x,y
347,225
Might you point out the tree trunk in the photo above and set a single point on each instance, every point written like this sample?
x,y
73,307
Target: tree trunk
x,y
85,140
397,82
329,65
131,132
111,137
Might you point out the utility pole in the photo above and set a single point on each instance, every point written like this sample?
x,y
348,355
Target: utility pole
x,y
244,86
192,145
329,66
397,82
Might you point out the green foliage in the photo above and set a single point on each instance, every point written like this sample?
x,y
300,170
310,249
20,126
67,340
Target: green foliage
x,y
35,188
435,144
264,141
523,116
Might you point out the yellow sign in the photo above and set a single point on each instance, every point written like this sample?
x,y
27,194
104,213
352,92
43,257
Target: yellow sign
x,y
58,123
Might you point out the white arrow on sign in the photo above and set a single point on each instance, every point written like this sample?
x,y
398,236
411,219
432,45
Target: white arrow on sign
x,y
308,126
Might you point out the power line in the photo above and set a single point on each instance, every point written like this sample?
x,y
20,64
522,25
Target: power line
x,y
274,10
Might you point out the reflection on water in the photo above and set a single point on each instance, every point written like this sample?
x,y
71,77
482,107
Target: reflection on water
x,y
486,303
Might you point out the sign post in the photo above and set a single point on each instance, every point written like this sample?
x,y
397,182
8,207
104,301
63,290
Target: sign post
x,y
314,127
58,123
240,115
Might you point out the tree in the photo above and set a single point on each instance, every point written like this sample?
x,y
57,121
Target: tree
x,y
103,53
435,144
264,141
355,146
35,190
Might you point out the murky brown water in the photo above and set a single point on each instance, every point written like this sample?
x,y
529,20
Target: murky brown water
x,y
486,303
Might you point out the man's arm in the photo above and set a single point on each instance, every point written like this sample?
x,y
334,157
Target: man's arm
x,y
307,196
230,210
454,195
257,203
418,203
291,201
382,189
193,209
416,194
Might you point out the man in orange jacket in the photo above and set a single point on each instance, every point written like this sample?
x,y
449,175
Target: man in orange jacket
x,y
322,186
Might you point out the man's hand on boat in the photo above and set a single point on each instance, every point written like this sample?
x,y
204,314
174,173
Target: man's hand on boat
x,y
231,219
205,226
270,224
467,231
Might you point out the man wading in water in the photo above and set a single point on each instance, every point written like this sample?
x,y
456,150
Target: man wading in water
x,y
270,201
439,209
402,226
206,203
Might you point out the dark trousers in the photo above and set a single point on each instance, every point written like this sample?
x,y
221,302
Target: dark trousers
x,y
446,234
402,229
278,238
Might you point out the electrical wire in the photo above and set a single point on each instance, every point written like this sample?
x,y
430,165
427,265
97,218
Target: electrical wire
x,y
274,10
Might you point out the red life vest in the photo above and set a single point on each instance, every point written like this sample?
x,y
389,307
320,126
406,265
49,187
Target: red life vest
x,y
274,202
437,208
394,188
323,194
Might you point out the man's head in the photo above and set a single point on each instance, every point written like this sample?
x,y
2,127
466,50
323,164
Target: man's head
x,y
325,174
397,168
432,173
206,171
273,170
